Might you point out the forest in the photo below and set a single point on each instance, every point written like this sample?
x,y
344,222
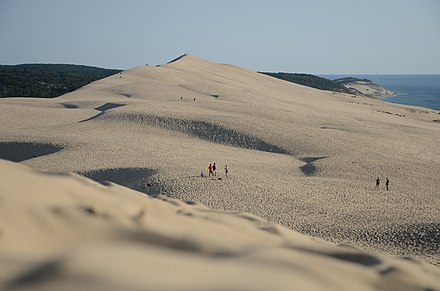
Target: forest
x,y
47,80
310,81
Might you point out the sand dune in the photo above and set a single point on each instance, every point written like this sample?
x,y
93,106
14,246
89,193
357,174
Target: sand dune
x,y
65,232
304,158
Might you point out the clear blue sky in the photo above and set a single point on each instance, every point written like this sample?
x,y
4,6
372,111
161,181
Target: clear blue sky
x,y
313,36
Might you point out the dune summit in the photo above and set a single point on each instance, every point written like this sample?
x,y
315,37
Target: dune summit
x,y
73,233
304,158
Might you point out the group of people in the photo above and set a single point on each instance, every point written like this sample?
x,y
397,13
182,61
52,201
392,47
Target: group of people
x,y
212,170
387,184
181,98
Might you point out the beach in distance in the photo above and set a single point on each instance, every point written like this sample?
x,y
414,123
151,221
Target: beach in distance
x,y
108,187
418,90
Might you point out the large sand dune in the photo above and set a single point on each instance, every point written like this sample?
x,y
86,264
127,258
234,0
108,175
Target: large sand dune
x,y
301,157
66,232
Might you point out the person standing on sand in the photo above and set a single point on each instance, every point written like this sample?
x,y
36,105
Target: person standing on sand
x,y
214,169
226,170
210,170
387,184
377,183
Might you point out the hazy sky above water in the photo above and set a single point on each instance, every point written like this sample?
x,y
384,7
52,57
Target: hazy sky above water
x,y
313,36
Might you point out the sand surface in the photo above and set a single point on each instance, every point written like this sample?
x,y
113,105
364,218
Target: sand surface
x,y
304,158
66,232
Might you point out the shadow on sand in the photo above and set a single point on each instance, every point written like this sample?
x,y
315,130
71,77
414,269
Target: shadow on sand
x,y
206,131
103,108
22,151
133,178
309,169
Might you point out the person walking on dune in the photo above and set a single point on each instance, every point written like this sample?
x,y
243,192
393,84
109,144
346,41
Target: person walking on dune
x,y
377,183
210,170
214,169
226,170
387,184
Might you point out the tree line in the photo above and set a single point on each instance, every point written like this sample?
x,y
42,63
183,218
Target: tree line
x,y
47,80
310,81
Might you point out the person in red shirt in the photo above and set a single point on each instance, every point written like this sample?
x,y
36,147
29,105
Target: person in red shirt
x,y
210,170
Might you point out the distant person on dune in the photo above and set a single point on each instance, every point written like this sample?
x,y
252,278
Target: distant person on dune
x,y
387,184
377,183
226,170
214,169
210,170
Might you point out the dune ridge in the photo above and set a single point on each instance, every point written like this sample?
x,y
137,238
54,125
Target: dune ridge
x,y
203,130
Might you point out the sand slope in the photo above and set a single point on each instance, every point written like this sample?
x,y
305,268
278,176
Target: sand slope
x,y
66,232
301,157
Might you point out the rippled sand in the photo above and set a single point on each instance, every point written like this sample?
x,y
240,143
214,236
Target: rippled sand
x,y
66,232
301,157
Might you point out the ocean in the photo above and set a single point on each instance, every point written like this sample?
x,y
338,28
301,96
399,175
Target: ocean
x,y
417,90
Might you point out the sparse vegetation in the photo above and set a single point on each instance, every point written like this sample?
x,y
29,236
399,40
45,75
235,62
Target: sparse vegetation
x,y
350,80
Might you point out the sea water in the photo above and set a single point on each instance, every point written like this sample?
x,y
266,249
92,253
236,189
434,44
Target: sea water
x,y
417,90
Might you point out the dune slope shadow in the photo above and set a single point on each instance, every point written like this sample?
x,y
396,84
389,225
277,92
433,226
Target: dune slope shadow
x,y
22,151
103,108
176,59
108,106
206,131
70,106
420,239
139,179
309,169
